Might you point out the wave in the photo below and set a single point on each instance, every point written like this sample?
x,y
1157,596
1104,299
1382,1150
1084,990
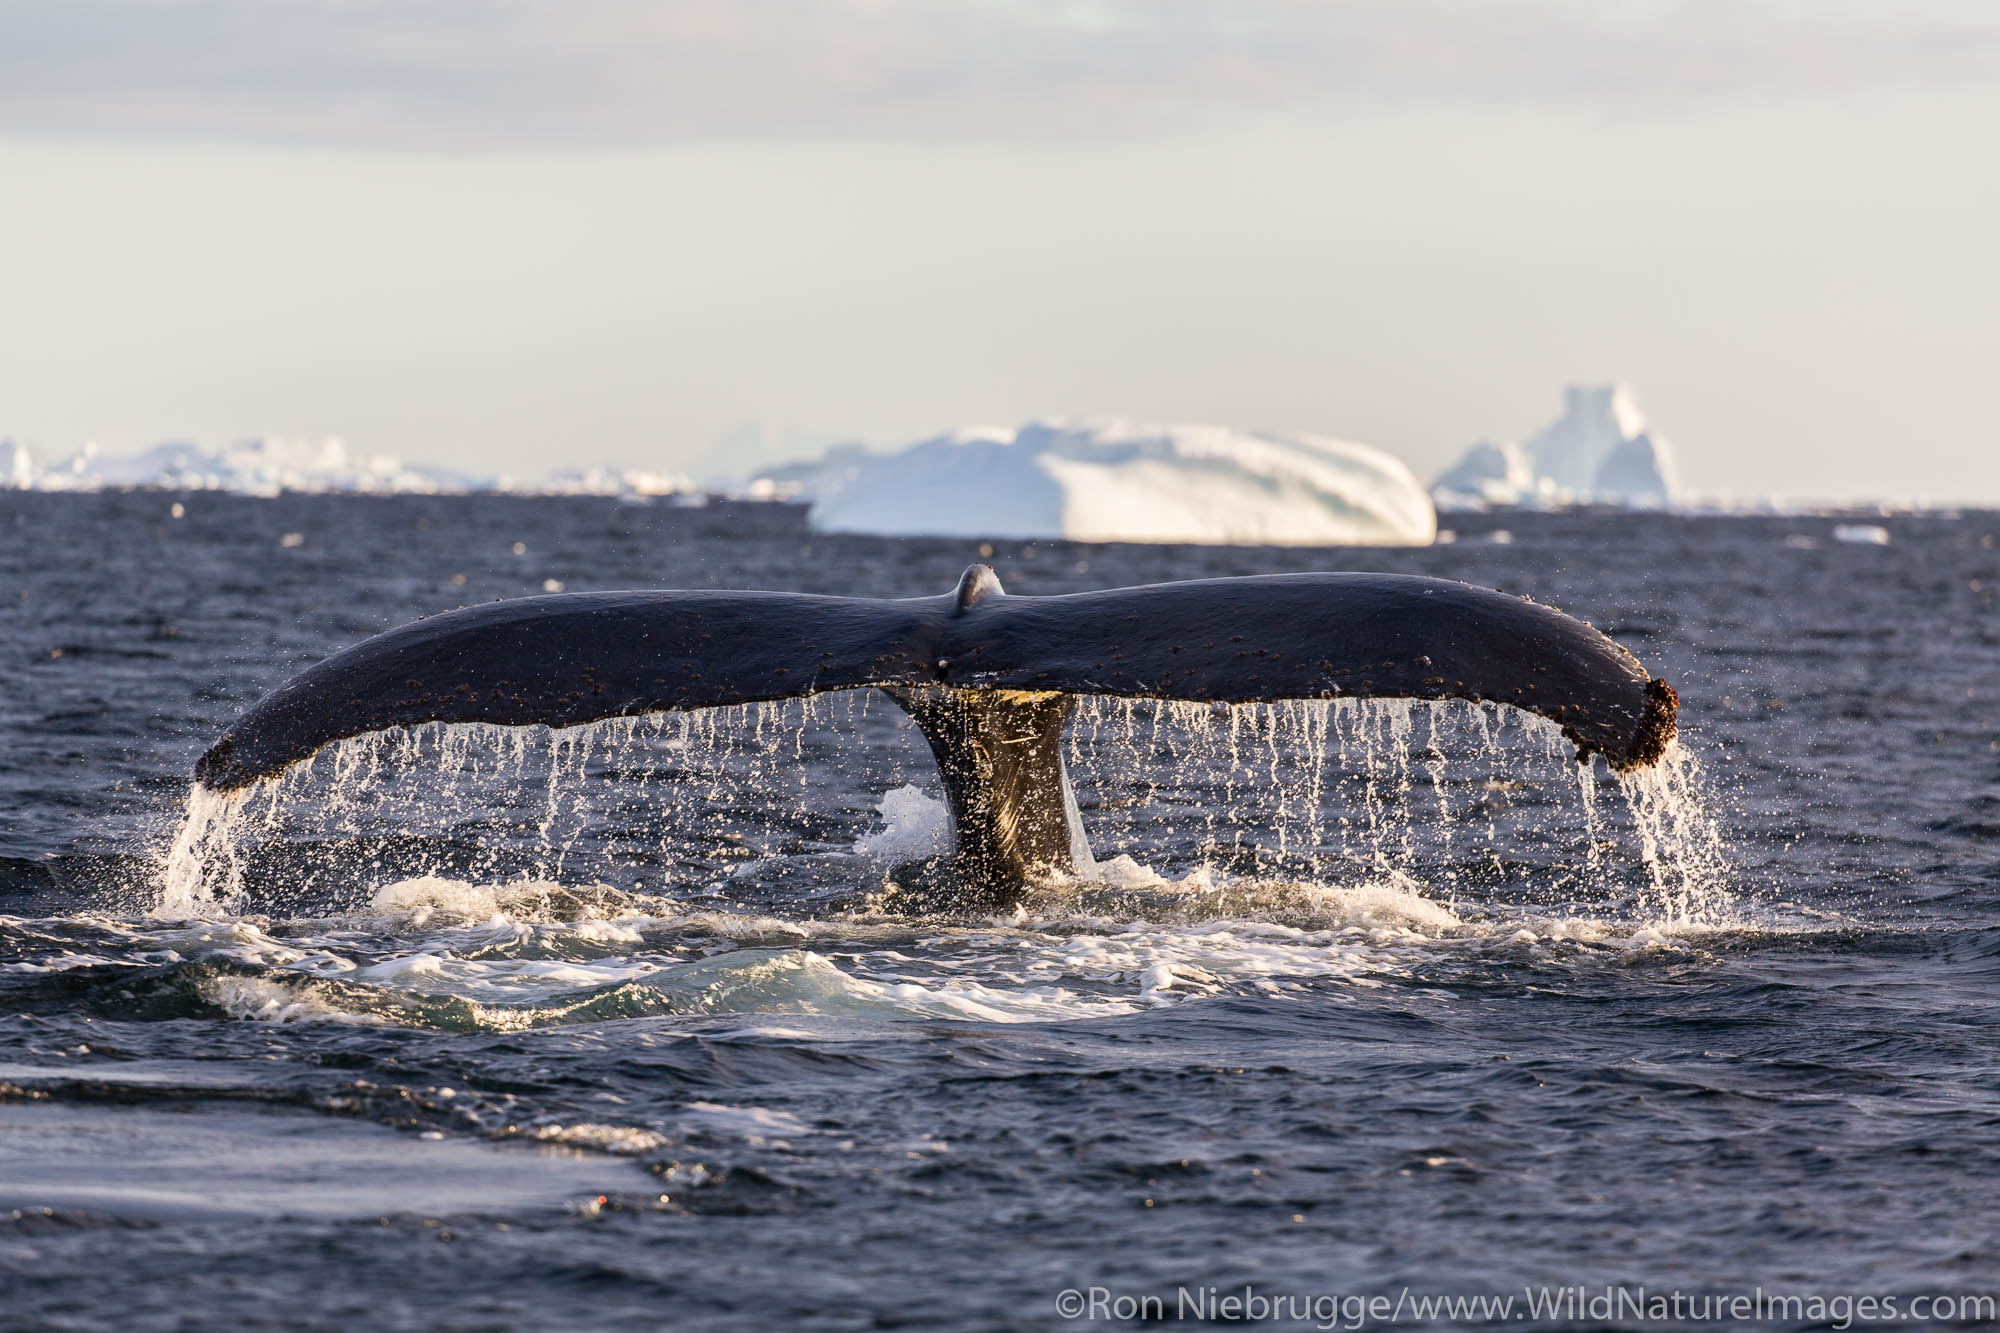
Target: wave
x,y
459,956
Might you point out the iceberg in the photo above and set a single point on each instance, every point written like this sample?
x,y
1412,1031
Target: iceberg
x,y
628,483
272,465
1600,451
1638,473
20,466
265,466
1490,473
1110,480
813,478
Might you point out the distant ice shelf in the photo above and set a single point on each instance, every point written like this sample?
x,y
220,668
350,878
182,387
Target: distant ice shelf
x,y
272,465
264,466
1107,479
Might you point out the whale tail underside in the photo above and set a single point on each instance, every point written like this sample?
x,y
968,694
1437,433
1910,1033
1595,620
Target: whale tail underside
x,y
989,679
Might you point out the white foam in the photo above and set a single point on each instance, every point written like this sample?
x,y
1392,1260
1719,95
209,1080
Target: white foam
x,y
759,1125
622,1140
1123,872
261,1000
428,896
915,825
404,969
1136,940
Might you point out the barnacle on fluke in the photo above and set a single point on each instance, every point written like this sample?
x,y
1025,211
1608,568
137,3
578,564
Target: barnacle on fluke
x,y
990,679
1656,728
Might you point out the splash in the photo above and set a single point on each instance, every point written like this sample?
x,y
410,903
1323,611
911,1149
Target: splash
x,y
915,825
794,804
1680,840
1089,952
203,869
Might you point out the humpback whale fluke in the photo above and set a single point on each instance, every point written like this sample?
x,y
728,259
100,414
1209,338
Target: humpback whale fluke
x,y
988,678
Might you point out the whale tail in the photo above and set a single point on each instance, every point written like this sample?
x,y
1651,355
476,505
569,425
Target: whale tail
x,y
989,679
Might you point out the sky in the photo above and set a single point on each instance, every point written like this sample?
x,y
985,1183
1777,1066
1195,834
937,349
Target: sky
x,y
511,235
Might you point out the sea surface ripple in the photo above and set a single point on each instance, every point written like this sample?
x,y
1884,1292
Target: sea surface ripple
x,y
631,1027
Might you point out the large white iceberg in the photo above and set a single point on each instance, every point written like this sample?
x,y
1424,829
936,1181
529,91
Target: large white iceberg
x,y
1600,451
1112,480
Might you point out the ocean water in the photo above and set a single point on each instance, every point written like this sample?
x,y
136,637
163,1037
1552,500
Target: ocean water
x,y
629,1027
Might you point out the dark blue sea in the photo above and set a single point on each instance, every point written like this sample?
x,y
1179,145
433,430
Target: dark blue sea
x,y
1367,1011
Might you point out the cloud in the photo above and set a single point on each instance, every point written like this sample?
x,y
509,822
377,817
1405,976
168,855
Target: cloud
x,y
486,74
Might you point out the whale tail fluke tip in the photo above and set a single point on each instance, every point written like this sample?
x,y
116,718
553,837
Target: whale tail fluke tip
x,y
212,770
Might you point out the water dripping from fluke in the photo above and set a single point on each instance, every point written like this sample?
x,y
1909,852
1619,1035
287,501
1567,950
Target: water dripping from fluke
x,y
712,746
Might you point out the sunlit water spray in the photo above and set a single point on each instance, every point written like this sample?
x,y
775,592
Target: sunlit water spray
x,y
1237,846
1454,795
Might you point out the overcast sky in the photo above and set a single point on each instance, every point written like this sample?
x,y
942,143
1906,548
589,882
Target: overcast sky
x,y
517,234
